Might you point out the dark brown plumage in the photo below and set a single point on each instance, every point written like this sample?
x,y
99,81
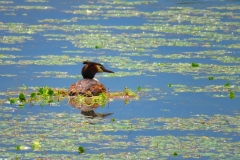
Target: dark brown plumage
x,y
89,86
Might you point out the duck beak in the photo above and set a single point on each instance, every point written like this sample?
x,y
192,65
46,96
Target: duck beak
x,y
100,68
105,70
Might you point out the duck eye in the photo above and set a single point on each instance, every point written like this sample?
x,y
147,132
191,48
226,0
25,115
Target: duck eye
x,y
99,68
102,68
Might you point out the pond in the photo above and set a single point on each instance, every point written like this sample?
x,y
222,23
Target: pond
x,y
181,58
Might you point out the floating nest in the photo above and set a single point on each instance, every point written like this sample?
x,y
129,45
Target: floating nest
x,y
86,87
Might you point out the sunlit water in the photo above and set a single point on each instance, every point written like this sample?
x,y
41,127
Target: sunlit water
x,y
145,43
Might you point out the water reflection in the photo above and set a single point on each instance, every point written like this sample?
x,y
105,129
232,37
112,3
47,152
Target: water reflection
x,y
87,107
181,53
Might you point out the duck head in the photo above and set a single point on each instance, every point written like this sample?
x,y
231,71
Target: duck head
x,y
91,68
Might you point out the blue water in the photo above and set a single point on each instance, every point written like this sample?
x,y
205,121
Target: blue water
x,y
168,103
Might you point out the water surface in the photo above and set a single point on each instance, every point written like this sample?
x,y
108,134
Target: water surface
x,y
182,55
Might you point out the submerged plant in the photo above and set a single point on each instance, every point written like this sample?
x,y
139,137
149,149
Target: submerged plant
x,y
128,92
22,97
227,85
231,95
139,89
175,154
210,78
45,91
195,64
11,100
36,145
81,150
18,147
33,95
97,47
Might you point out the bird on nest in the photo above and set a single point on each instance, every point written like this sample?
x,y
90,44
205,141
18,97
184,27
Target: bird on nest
x,y
89,86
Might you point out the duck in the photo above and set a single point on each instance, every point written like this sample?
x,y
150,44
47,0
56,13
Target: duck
x,y
89,86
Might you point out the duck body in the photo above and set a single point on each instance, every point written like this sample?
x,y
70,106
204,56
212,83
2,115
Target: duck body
x,y
89,86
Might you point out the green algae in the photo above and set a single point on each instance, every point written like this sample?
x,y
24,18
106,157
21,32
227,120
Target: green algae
x,y
21,28
201,54
7,56
136,67
227,7
232,78
188,146
36,0
75,19
209,88
70,130
10,49
227,59
164,28
237,46
33,7
14,39
6,2
59,135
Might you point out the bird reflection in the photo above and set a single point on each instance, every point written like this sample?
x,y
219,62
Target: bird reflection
x,y
87,107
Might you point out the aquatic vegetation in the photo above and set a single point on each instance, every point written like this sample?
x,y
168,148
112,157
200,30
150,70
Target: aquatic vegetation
x,y
43,96
10,49
6,2
166,51
36,145
227,59
126,94
81,150
175,154
47,95
229,77
14,39
231,95
209,88
33,7
8,56
22,97
36,0
75,19
7,75
211,78
68,126
195,64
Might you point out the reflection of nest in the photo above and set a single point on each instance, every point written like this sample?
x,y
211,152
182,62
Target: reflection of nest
x,y
87,106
